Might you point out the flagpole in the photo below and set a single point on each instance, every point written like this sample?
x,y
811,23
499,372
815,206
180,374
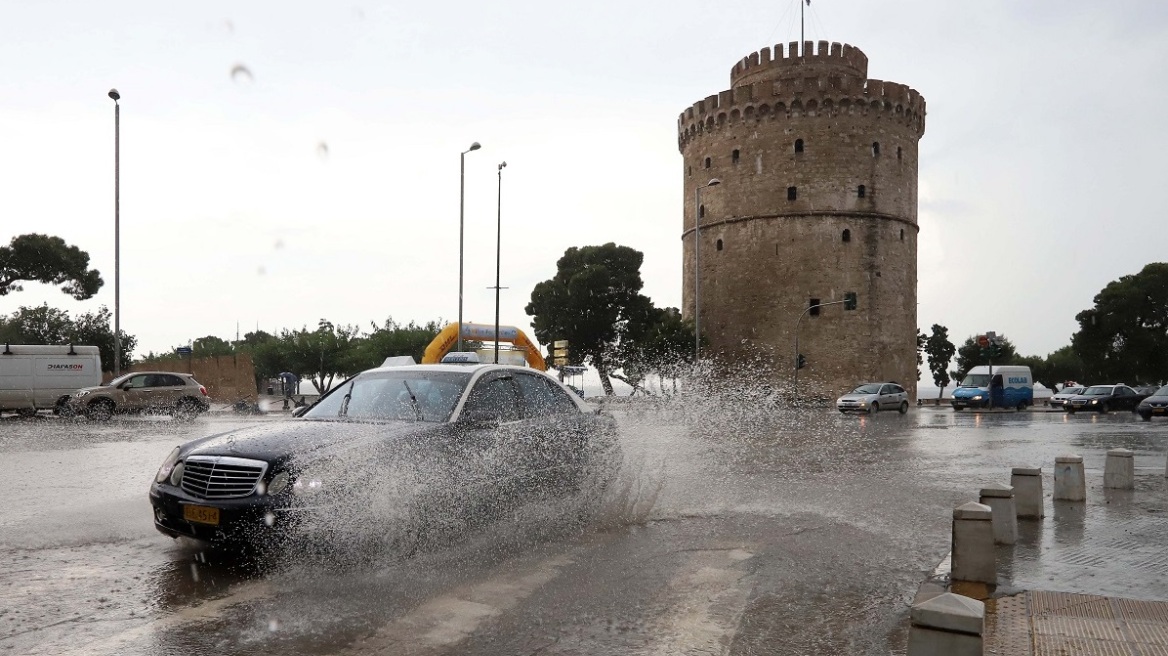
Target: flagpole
x,y
801,35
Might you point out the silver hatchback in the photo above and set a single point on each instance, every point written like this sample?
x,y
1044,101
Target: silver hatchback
x,y
874,397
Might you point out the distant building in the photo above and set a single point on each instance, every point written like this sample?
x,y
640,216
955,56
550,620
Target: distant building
x,y
818,199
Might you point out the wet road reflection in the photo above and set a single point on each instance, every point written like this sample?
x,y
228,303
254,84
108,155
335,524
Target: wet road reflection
x,y
738,532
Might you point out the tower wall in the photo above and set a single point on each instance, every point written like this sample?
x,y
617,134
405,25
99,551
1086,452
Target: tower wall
x,y
777,253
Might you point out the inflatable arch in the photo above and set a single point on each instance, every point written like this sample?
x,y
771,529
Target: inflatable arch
x,y
447,338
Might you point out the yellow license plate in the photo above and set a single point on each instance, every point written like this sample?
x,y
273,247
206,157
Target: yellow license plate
x,y
201,514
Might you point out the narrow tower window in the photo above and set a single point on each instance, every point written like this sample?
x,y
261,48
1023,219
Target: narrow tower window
x,y
791,193
701,211
875,149
689,171
898,152
861,191
846,236
798,145
707,162
718,245
734,156
902,234
814,305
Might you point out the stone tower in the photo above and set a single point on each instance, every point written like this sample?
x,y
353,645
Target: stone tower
x,y
818,199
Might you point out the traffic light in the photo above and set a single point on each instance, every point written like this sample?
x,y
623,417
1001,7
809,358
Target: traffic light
x,y
800,362
849,300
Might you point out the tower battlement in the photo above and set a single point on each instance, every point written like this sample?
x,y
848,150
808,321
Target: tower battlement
x,y
816,59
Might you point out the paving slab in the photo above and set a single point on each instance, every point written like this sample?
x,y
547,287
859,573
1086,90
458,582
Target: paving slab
x,y
1039,622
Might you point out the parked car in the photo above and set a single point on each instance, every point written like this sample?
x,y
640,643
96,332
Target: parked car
x,y
419,442
1060,399
1155,405
163,392
1104,398
874,397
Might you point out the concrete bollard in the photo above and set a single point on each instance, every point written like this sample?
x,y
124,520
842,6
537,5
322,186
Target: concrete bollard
x,y
1000,499
947,625
1027,484
1119,472
1069,482
973,544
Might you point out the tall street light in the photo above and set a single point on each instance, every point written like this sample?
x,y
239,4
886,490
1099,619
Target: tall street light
x,y
698,266
113,93
461,220
498,256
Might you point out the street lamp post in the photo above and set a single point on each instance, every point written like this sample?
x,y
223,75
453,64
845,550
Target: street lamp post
x,y
697,266
461,222
113,93
498,256
795,386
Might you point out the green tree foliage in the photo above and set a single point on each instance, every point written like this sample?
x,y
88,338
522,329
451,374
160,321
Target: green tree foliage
x,y
45,325
939,352
1125,335
211,346
970,355
321,354
595,302
47,259
922,340
392,339
662,346
1062,366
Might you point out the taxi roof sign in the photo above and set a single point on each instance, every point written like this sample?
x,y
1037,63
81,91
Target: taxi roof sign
x,y
461,357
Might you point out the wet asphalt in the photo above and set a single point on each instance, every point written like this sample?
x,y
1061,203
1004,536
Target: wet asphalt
x,y
730,530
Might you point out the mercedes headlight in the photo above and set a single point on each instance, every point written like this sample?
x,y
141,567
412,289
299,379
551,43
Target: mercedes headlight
x,y
278,484
1094,401
167,466
176,474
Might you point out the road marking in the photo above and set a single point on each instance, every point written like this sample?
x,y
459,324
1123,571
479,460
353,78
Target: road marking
x,y
449,619
710,597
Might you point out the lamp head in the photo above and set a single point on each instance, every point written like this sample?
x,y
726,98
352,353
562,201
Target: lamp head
x,y
714,182
503,166
473,146
113,93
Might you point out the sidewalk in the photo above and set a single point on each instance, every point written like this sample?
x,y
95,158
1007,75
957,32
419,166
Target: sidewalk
x,y
1090,578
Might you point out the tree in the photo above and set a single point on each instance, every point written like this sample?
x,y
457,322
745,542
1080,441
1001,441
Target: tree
x,y
922,339
1061,366
970,355
662,346
211,346
1125,335
391,339
94,328
322,354
940,352
45,325
594,301
47,259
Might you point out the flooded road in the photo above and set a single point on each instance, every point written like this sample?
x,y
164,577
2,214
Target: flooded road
x,y
793,532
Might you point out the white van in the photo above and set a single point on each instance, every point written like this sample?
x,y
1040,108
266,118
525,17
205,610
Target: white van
x,y
1006,386
40,377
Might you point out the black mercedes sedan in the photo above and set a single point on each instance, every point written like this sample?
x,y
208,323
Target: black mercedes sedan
x,y
391,445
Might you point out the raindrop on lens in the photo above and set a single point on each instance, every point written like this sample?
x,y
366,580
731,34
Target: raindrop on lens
x,y
273,625
322,150
241,74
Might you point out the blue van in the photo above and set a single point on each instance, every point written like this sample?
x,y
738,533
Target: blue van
x,y
1009,386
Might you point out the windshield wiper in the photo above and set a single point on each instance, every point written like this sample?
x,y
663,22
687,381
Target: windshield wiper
x,y
414,401
344,411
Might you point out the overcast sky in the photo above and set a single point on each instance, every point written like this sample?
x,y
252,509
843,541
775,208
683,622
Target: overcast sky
x,y
322,180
